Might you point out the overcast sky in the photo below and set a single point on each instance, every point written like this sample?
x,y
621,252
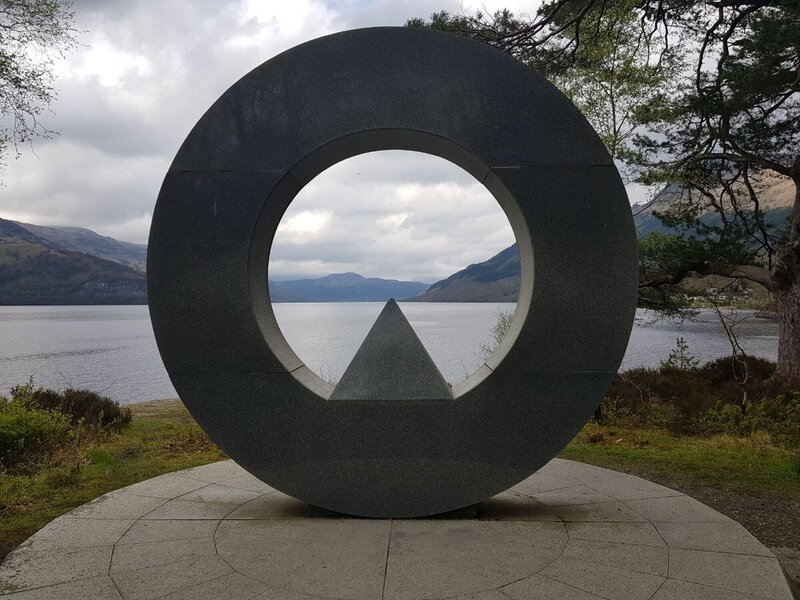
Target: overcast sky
x,y
145,73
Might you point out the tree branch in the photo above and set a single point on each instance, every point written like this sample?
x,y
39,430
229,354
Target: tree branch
x,y
752,273
735,158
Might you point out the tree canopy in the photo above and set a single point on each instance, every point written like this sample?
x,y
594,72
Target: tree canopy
x,y
698,99
33,34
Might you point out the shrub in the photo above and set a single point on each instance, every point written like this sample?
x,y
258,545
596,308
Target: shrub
x,y
724,418
189,439
780,416
668,397
81,406
680,358
498,332
720,371
705,399
27,434
693,390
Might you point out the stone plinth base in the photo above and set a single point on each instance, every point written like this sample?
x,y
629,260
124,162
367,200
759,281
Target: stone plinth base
x,y
570,531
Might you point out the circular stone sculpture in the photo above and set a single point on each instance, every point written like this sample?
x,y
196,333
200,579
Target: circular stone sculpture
x,y
376,89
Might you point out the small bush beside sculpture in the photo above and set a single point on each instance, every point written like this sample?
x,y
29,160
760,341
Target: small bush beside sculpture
x,y
35,422
685,397
705,399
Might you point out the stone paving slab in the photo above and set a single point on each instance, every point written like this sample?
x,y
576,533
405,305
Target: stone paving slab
x,y
70,533
790,561
150,554
568,496
165,486
117,505
570,532
754,575
27,567
301,555
603,580
716,537
83,589
640,534
460,549
642,559
144,531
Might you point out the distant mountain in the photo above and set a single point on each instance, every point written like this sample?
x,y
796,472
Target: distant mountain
x,y
35,270
279,293
495,280
343,287
776,195
78,239
13,232
72,265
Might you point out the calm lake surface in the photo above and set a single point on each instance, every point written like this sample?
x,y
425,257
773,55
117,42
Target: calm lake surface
x,y
111,349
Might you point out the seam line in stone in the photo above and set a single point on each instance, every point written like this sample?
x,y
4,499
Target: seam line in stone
x,y
386,562
575,587
289,170
653,595
114,548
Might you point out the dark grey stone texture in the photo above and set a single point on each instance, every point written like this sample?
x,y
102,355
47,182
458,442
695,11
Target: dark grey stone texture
x,y
309,108
392,364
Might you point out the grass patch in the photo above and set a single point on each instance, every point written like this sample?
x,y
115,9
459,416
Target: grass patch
x,y
751,465
162,437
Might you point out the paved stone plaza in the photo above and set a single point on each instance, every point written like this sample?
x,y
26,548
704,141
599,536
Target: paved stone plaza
x,y
570,531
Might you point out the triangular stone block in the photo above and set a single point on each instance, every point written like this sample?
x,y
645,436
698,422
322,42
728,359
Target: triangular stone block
x,y
392,364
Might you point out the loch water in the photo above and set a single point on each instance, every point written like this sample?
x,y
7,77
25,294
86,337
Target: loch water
x,y
111,349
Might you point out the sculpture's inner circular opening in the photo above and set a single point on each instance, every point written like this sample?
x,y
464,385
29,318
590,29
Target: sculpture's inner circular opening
x,y
394,224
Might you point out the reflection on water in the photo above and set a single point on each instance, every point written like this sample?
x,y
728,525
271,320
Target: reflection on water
x,y
111,349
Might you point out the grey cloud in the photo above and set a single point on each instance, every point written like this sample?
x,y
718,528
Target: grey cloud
x,y
390,12
117,140
449,221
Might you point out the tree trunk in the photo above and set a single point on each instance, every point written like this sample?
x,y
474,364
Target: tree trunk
x,y
788,308
786,286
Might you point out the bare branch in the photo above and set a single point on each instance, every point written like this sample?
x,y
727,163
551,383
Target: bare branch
x,y
752,273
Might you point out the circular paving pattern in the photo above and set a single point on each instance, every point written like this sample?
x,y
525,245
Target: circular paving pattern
x,y
571,531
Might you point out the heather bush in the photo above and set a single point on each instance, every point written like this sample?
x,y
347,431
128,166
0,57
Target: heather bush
x,y
39,424
778,416
28,434
685,397
721,371
81,406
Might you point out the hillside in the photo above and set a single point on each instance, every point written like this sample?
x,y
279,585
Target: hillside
x,y
78,239
343,287
278,293
73,265
495,280
34,270
776,196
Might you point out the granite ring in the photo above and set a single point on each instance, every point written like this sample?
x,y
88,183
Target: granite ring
x,y
317,104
